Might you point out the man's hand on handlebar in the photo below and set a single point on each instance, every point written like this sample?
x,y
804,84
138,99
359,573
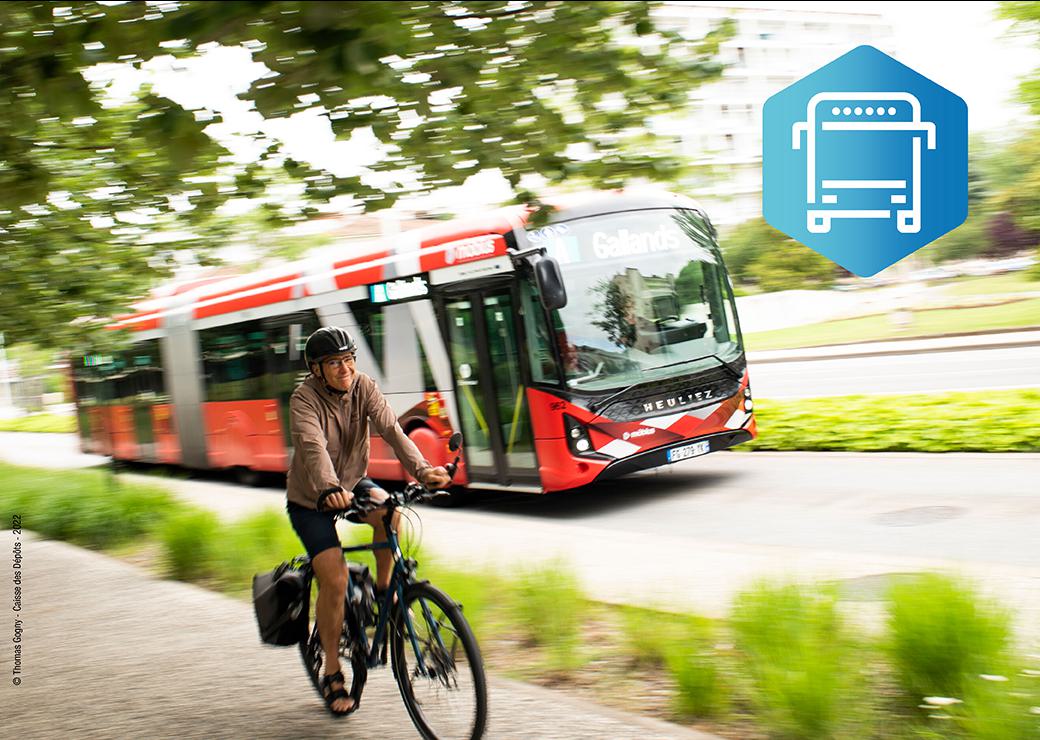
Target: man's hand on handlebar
x,y
436,478
338,500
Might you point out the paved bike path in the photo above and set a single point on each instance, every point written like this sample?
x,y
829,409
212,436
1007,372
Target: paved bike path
x,y
112,652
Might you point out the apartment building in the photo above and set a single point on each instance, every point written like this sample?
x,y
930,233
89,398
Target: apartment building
x,y
771,48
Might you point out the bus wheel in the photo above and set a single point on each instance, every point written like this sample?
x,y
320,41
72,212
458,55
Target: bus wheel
x,y
451,499
247,476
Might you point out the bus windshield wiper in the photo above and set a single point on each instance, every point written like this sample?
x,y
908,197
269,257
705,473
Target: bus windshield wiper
x,y
612,396
722,362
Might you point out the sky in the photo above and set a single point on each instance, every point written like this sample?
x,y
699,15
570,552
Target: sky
x,y
962,47
958,45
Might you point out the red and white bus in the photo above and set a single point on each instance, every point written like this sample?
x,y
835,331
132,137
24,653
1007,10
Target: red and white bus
x,y
642,365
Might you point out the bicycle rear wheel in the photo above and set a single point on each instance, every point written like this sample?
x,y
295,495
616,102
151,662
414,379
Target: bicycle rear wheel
x,y
351,661
445,694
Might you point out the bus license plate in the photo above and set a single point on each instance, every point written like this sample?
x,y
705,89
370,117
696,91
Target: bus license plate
x,y
687,451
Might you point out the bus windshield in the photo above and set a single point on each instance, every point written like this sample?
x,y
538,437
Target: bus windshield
x,y
648,297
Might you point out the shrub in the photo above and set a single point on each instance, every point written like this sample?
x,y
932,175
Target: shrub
x,y
693,665
189,539
87,507
797,655
649,636
940,632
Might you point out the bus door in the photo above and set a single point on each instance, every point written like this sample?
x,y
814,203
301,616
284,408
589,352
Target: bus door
x,y
490,393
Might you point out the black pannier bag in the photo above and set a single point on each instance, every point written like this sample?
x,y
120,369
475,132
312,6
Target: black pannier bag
x,y
278,599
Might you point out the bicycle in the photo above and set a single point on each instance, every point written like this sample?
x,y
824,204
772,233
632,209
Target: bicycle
x,y
430,642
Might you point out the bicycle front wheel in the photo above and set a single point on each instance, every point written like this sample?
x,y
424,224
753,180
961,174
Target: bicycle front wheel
x,y
440,673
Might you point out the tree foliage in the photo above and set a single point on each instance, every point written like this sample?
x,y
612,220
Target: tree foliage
x,y
757,253
1023,201
443,89
1027,18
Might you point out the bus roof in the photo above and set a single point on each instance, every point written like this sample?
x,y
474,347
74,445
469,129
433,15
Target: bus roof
x,y
438,245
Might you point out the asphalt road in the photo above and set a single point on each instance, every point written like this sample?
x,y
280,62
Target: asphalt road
x,y
956,370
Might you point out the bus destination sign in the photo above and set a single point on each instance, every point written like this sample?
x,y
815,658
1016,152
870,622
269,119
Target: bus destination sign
x,y
399,290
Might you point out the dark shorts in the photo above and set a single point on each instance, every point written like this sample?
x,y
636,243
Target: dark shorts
x,y
317,529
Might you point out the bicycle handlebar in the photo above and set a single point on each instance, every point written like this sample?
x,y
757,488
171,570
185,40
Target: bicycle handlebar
x,y
361,504
414,491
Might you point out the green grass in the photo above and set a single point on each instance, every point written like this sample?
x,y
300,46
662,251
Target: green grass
x,y
794,662
91,508
50,423
941,634
946,644
191,544
547,604
799,657
649,634
1012,315
689,654
998,421
1011,282
252,545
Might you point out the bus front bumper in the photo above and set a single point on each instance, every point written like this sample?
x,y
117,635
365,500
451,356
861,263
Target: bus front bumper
x,y
658,457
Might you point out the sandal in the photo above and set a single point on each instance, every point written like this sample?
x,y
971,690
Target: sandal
x,y
331,695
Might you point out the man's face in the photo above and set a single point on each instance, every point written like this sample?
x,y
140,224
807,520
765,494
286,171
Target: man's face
x,y
339,370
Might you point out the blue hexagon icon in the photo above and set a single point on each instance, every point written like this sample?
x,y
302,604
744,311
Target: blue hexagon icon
x,y
865,161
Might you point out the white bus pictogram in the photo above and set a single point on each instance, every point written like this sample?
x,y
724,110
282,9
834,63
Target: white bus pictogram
x,y
834,123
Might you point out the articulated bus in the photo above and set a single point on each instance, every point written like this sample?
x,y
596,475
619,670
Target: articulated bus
x,y
637,364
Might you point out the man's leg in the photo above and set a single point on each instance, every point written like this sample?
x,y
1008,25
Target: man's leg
x,y
331,571
384,558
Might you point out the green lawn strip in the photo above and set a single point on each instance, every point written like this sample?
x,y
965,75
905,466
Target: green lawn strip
x,y
987,421
1011,315
1012,282
89,507
49,423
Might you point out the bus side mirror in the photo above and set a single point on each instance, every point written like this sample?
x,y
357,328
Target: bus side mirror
x,y
455,442
550,283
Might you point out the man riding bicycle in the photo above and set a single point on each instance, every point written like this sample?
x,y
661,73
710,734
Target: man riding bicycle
x,y
329,416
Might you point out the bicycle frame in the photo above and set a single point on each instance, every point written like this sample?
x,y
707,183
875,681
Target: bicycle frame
x,y
399,578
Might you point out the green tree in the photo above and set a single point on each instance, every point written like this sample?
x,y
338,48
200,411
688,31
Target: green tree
x,y
444,89
1024,201
1027,17
967,241
757,253
792,267
748,241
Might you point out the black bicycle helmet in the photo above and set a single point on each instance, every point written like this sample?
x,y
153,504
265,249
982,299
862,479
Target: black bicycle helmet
x,y
328,341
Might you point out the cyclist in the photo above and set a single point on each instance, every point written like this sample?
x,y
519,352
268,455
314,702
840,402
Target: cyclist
x,y
329,416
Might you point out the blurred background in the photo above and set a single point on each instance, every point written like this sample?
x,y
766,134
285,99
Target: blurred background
x,y
217,165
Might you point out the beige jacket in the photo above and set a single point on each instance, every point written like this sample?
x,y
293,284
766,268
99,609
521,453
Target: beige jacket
x,y
330,437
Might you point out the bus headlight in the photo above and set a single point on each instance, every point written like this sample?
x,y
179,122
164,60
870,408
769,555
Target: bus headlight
x,y
577,435
748,403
